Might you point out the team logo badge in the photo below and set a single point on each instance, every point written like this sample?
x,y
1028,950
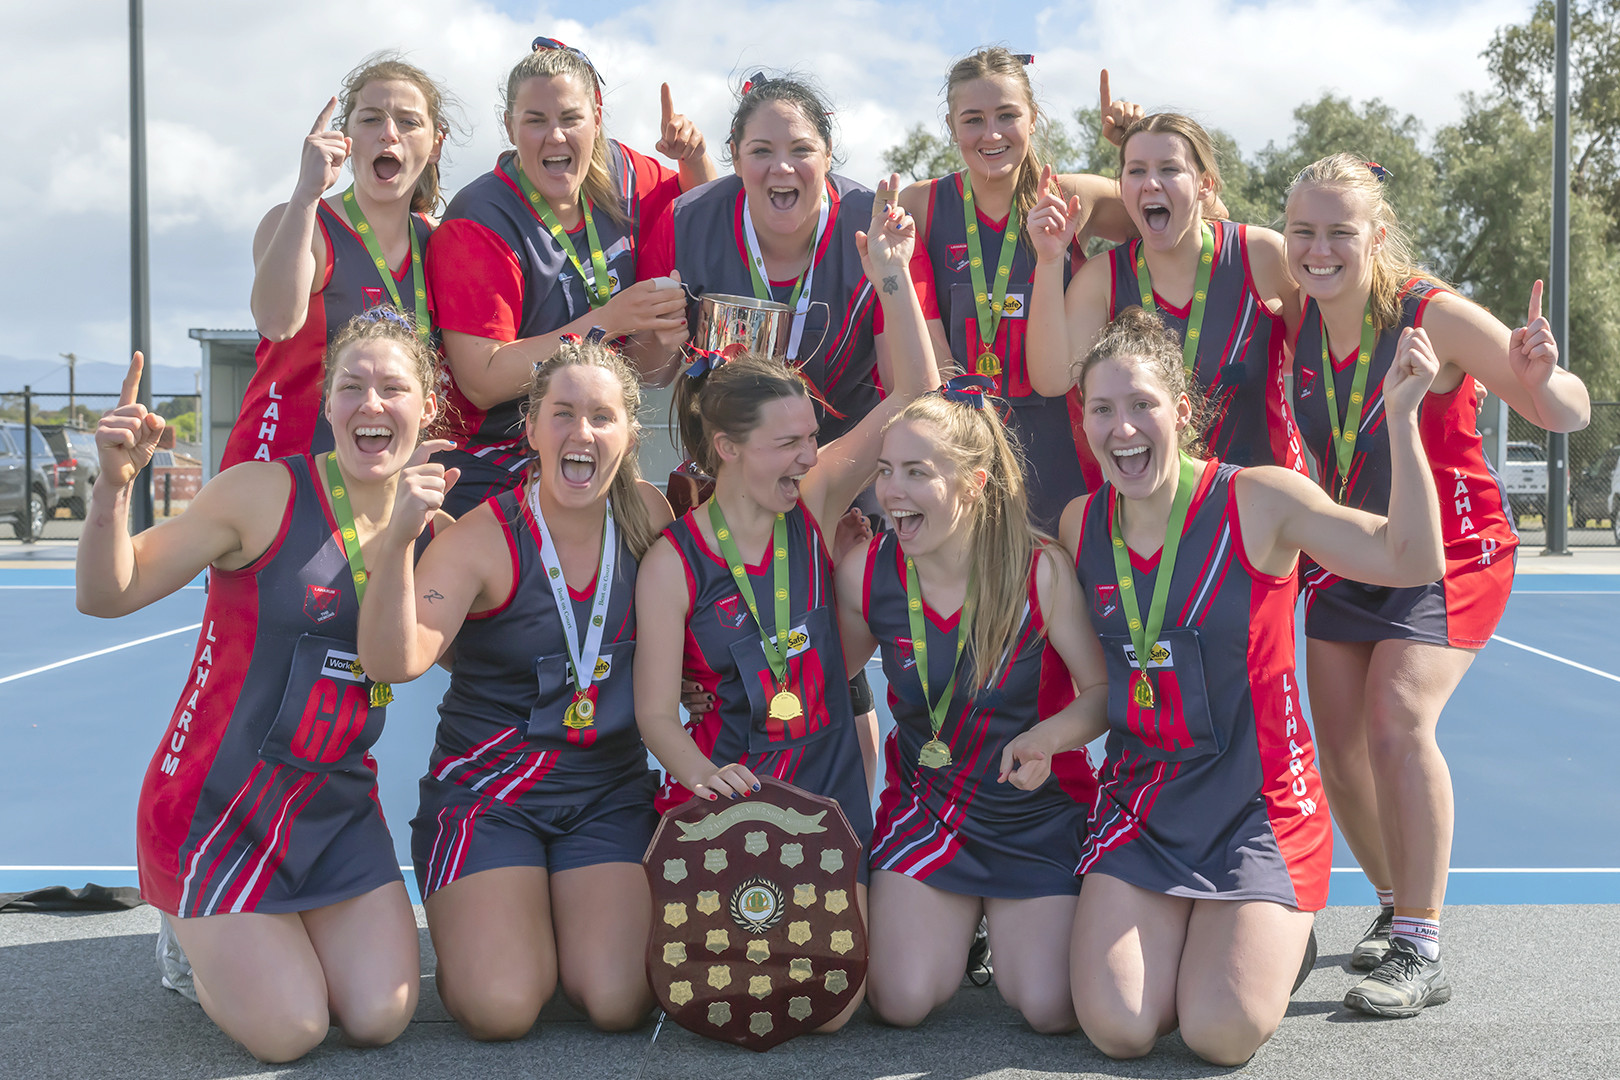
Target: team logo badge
x,y
373,297
904,653
757,936
1307,382
957,257
730,614
1107,601
320,602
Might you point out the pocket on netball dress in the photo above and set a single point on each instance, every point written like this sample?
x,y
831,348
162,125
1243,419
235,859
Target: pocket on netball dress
x,y
326,722
611,697
814,661
1178,726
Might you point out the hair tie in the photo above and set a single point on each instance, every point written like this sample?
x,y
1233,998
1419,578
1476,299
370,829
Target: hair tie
x,y
596,334
545,43
969,390
384,313
707,360
1027,59
1380,173
756,79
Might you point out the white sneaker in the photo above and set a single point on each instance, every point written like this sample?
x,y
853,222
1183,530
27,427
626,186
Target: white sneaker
x,y
172,963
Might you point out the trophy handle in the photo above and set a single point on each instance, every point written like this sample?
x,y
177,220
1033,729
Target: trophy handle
x,y
826,328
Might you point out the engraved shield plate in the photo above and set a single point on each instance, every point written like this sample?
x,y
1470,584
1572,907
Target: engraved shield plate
x,y
757,933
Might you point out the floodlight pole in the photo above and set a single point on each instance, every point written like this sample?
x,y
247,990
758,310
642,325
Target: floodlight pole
x,y
1558,280
140,306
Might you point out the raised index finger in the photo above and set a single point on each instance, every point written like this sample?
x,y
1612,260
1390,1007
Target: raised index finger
x,y
668,104
325,118
132,381
1102,91
1535,302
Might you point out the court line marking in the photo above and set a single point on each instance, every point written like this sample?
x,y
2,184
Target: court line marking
x,y
100,652
1554,656
183,588
1550,592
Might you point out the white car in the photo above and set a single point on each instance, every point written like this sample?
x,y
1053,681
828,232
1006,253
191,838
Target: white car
x,y
1524,477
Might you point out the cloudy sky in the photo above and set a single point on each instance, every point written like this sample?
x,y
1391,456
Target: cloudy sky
x,y
233,87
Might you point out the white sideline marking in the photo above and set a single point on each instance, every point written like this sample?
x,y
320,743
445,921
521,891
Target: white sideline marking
x,y
183,588
103,652
1554,656
1336,869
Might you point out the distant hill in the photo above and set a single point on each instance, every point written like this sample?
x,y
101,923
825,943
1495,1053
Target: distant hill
x,y
91,376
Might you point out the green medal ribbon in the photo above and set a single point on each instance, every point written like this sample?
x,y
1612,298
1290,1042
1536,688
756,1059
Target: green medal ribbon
x,y
597,285
919,642
357,218
1195,317
775,652
1345,432
988,310
1145,638
381,693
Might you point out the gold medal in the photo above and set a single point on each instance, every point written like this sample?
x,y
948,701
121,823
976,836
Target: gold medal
x,y
581,714
934,755
988,364
381,694
785,705
1143,691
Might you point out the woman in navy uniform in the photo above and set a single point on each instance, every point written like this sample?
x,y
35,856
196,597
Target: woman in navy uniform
x,y
315,259
546,244
971,822
1221,287
538,803
259,835
1209,844
1383,662
738,594
993,118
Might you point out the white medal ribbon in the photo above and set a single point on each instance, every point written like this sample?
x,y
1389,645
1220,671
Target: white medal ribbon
x,y
751,239
584,657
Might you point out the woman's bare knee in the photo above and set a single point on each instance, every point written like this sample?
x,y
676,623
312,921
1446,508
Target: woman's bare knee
x,y
380,1020
902,1002
493,1011
1121,1038
285,1038
1227,1040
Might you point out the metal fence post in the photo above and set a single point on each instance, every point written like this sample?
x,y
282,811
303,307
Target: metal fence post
x,y
1557,442
27,531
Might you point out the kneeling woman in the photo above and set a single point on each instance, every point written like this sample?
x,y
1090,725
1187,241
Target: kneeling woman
x,y
970,822
538,802
1210,842
259,834
779,710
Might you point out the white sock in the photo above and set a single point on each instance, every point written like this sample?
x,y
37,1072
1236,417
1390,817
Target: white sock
x,y
1422,934
1386,897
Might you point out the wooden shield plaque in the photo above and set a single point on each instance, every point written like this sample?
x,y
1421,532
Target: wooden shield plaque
x,y
757,933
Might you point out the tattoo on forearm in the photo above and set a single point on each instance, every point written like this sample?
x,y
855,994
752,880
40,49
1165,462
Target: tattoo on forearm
x,y
433,595
891,284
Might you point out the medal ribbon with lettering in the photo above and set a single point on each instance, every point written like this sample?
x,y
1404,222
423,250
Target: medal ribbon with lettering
x,y
598,287
1345,432
799,298
988,308
357,218
584,654
785,705
1195,317
381,692
1145,638
935,754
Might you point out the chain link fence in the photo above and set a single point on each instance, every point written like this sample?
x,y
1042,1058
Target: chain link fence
x,y
48,460
1593,512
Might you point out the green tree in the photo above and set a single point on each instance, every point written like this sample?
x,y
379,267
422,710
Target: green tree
x,y
922,155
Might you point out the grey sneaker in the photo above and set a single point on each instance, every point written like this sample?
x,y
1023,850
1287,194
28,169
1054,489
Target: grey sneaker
x,y
172,963
1374,944
1403,985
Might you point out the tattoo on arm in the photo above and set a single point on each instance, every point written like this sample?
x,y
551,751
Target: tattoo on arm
x,y
891,284
433,595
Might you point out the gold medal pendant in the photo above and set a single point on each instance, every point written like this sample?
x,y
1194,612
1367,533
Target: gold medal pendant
x,y
988,364
934,755
581,713
381,694
1143,691
785,705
